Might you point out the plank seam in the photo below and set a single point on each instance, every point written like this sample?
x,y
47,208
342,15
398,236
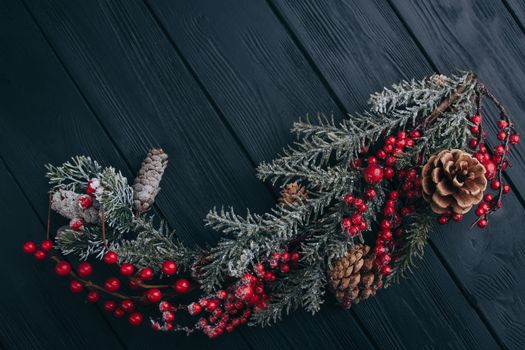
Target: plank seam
x,y
513,15
206,93
37,214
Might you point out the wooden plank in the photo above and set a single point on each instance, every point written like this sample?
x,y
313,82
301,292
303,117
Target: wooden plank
x,y
215,44
31,314
469,260
46,119
494,274
169,94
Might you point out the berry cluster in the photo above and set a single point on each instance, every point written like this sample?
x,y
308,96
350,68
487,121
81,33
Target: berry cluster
x,y
380,167
231,307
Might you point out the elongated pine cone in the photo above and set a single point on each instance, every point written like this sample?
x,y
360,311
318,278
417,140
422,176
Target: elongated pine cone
x,y
292,193
147,183
454,181
353,277
66,204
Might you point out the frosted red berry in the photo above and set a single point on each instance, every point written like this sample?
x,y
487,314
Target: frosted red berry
x,y
85,201
76,224
514,139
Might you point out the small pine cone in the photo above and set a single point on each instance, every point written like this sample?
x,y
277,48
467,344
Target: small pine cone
x,y
292,193
354,277
66,204
146,184
453,180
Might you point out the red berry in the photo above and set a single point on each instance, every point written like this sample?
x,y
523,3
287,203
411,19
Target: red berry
x,y
92,185
388,148
381,154
126,269
84,269
244,292
495,184
390,161
168,316
146,274
221,294
482,223
389,173
85,201
119,312
29,247
401,134
390,140
443,219
357,218
387,235
499,149
476,119
506,189
75,286
473,143
457,217
46,245
389,211
295,256
112,284
386,270
93,296
76,224
415,134
127,305
514,139
109,305
409,142
213,304
110,257
474,130
363,207
135,319
488,197
153,295
348,199
182,286
502,135
169,268
40,255
480,211
370,193
285,268
490,169
373,174
502,124
62,268
372,160
346,223
385,224
164,306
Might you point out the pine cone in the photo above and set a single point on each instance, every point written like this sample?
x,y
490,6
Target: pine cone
x,y
453,180
292,193
354,277
66,204
146,184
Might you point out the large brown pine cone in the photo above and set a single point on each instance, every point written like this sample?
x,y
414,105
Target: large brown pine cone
x,y
354,277
453,180
292,193
147,183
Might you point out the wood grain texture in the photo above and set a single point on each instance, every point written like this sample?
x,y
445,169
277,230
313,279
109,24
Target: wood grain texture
x,y
213,43
35,304
45,119
451,247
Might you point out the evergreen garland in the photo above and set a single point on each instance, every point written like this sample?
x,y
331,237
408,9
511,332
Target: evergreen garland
x,y
356,210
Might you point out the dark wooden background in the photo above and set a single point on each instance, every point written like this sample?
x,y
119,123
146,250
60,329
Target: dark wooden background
x,y
218,84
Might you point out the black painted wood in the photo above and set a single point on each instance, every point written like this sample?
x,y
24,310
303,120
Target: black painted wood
x,y
218,84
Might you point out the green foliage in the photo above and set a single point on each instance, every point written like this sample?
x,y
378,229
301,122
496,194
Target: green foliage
x,y
116,200
84,245
74,174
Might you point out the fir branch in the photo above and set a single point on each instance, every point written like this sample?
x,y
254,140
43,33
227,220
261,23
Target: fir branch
x,y
72,175
86,243
417,230
116,199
